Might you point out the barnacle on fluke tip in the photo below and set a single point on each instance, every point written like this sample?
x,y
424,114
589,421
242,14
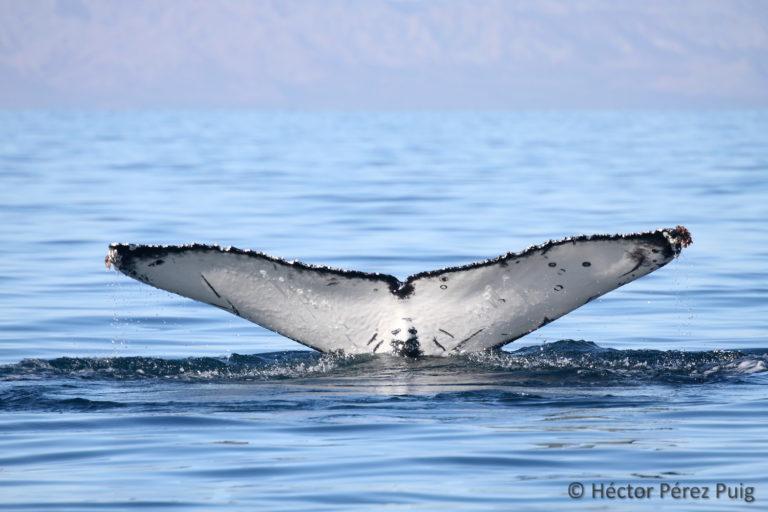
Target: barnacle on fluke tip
x,y
682,235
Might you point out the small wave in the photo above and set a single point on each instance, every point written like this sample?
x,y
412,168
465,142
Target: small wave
x,y
586,361
235,367
564,362
21,398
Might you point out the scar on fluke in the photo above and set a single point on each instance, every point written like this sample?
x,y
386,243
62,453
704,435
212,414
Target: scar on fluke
x,y
210,286
462,342
234,309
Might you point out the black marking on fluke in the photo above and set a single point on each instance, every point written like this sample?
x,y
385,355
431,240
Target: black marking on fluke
x,y
210,286
462,342
410,347
372,338
434,340
234,309
638,256
445,332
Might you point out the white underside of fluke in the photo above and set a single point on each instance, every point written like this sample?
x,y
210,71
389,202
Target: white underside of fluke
x,y
462,309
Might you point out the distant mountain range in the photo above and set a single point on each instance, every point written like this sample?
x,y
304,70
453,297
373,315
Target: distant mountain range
x,y
374,54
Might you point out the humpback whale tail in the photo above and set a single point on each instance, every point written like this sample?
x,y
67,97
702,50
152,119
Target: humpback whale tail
x,y
474,307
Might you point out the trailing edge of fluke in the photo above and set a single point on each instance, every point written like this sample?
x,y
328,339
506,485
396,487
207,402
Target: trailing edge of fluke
x,y
469,308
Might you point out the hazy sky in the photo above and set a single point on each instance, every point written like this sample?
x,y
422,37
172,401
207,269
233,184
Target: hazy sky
x,y
374,54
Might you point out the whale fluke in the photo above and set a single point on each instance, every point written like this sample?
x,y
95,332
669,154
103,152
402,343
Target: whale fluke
x,y
469,308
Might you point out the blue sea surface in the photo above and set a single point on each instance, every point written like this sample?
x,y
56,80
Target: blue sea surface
x,y
118,396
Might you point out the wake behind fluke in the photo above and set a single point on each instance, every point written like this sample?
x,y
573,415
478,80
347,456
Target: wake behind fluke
x,y
561,364
464,309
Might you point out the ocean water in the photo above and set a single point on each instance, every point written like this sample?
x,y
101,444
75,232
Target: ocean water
x,y
116,396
